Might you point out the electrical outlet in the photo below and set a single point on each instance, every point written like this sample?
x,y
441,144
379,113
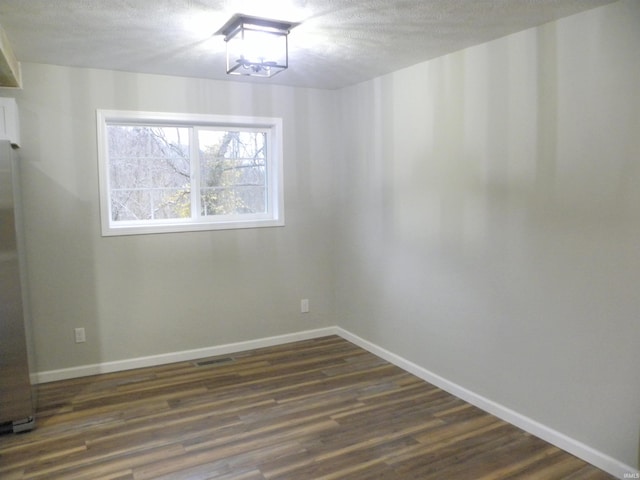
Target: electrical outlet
x,y
304,305
80,336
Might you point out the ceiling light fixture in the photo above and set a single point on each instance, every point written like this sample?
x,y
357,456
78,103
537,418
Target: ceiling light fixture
x,y
256,46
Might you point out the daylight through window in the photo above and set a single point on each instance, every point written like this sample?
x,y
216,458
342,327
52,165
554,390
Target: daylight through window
x,y
168,173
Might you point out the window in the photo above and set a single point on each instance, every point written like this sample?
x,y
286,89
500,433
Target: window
x,y
174,172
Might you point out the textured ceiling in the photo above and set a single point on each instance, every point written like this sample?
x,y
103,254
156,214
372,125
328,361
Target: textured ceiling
x,y
338,43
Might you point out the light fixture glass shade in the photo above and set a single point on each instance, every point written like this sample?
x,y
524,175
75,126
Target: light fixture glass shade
x,y
256,47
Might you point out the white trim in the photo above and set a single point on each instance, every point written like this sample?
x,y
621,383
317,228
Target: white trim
x,y
183,356
560,440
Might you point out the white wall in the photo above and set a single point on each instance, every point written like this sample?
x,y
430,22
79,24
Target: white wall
x,y
147,295
489,212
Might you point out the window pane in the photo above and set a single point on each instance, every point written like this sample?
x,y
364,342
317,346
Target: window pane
x,y
153,204
232,172
233,201
149,172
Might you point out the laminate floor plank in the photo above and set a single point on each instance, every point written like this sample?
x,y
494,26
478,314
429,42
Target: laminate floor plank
x,y
310,410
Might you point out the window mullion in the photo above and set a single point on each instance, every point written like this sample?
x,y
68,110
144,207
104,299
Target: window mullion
x,y
194,154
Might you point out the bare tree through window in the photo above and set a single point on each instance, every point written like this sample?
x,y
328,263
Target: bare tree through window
x,y
233,172
151,172
180,172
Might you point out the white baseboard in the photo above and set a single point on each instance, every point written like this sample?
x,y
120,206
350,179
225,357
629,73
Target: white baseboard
x,y
580,450
560,440
183,356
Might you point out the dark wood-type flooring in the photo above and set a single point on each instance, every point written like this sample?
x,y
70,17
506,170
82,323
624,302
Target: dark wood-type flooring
x,y
317,409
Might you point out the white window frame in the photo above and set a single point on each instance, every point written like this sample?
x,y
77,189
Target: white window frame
x,y
274,217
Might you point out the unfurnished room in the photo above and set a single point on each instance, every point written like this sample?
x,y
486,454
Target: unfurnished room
x,y
305,239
